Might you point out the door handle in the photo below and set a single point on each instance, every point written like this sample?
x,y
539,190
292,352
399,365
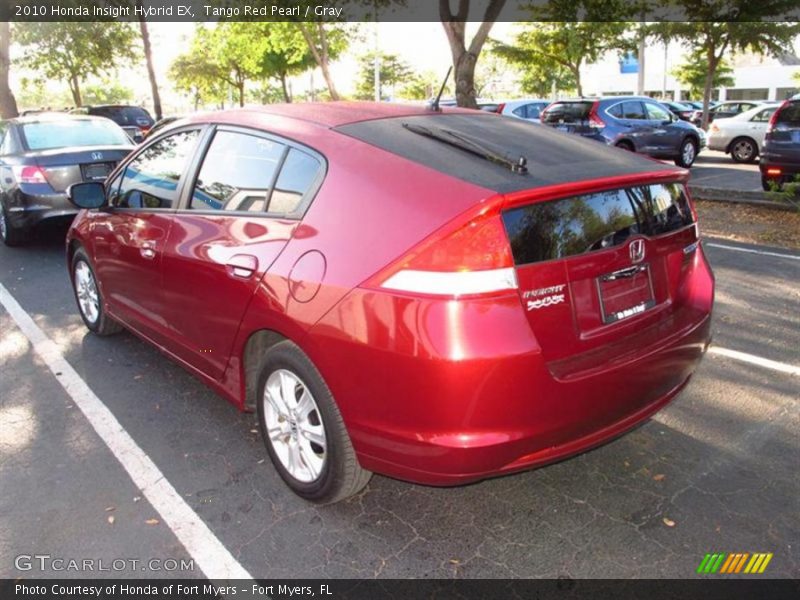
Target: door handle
x,y
148,250
242,266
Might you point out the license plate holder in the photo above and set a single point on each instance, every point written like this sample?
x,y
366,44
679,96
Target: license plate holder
x,y
96,171
625,293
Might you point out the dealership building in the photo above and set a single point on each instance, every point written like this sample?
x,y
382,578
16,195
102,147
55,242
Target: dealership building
x,y
755,77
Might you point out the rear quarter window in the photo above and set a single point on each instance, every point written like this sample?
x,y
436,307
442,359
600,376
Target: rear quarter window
x,y
570,112
789,115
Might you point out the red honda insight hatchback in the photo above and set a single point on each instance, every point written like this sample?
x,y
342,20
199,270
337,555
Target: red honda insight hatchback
x,y
440,297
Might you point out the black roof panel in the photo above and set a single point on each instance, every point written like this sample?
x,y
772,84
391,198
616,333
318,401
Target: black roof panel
x,y
553,157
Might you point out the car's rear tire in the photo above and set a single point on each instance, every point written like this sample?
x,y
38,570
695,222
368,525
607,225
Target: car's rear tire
x,y
744,150
626,146
11,236
87,295
687,153
303,429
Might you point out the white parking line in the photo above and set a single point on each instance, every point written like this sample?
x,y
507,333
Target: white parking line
x,y
751,251
202,545
756,360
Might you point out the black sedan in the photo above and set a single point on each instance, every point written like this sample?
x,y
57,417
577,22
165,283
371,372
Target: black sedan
x,y
41,156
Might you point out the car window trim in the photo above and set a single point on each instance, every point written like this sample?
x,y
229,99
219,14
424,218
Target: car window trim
x,y
123,166
195,165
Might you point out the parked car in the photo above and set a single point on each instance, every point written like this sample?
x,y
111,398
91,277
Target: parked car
x,y
680,110
160,124
530,109
514,297
723,110
41,156
135,120
780,154
634,123
698,104
483,104
741,136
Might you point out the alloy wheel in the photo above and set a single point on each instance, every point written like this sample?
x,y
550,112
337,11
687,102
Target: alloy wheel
x,y
86,290
294,426
3,225
688,153
743,151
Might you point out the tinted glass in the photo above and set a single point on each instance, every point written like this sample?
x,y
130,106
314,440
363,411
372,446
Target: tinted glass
x,y
124,115
73,132
615,111
657,113
790,114
763,116
297,177
573,226
569,112
237,173
633,110
151,179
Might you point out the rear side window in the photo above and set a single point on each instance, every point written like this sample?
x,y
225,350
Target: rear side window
x,y
763,116
151,179
789,115
633,110
573,226
237,173
569,112
295,183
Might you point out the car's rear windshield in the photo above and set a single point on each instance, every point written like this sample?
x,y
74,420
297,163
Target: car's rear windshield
x,y
569,112
597,221
124,115
790,114
46,135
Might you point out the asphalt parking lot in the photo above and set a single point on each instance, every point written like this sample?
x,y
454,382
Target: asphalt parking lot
x,y
717,471
714,169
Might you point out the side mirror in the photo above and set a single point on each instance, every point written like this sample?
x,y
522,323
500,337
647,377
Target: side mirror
x,y
90,194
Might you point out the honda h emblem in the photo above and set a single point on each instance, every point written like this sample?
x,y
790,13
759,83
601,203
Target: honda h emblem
x,y
97,156
636,250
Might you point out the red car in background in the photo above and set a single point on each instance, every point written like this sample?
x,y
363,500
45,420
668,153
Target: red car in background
x,y
438,296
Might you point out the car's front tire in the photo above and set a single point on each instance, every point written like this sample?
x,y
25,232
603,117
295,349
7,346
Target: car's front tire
x,y
687,153
11,236
88,297
303,429
744,150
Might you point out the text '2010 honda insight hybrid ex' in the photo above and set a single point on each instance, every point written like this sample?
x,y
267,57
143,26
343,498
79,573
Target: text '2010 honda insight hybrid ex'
x,y
440,297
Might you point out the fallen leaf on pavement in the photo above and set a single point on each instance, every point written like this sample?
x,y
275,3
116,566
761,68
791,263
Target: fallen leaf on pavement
x,y
659,477
152,521
111,519
668,522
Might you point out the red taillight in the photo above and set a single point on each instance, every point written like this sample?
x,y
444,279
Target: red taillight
x,y
500,108
469,257
29,174
773,171
774,118
594,119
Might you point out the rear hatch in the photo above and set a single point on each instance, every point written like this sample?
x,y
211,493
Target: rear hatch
x,y
603,276
782,141
572,116
64,166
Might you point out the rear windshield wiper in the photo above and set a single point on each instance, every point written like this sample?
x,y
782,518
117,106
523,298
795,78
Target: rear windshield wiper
x,y
462,142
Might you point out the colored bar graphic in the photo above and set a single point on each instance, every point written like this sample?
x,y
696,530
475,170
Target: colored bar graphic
x,y
724,563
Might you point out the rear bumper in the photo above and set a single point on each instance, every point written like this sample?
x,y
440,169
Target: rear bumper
x,y
445,392
27,210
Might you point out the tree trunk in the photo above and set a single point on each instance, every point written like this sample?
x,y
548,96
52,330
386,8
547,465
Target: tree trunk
x,y
75,88
465,59
712,70
576,73
286,96
320,55
148,57
240,89
8,104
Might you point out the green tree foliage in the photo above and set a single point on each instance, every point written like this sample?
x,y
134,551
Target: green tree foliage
x,y
107,91
394,74
725,26
73,52
692,74
326,42
287,53
562,37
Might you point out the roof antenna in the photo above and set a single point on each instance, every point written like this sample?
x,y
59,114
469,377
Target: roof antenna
x,y
435,103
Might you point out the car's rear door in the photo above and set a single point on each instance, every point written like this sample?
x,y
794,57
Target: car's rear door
x,y
636,125
239,213
666,134
129,236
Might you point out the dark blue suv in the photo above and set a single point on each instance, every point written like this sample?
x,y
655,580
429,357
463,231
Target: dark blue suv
x,y
634,123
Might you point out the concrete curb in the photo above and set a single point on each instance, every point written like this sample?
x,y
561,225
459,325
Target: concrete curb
x,y
769,200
